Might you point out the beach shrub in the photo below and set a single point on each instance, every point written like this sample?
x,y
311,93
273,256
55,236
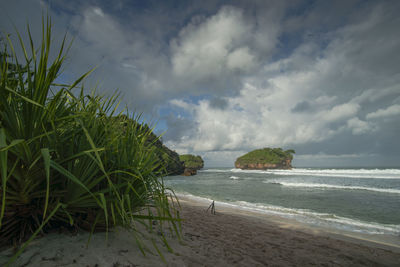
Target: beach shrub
x,y
65,161
171,164
174,165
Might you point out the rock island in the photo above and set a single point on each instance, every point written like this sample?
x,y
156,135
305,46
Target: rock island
x,y
266,158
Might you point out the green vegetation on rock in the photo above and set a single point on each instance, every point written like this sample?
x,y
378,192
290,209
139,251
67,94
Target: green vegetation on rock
x,y
265,157
173,165
192,161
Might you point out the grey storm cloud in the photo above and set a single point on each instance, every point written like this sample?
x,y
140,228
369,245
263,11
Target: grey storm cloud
x,y
225,77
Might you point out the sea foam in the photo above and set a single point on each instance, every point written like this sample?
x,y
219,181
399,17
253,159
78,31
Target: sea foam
x,y
330,186
347,173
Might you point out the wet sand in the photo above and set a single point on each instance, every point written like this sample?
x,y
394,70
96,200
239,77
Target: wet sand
x,y
238,238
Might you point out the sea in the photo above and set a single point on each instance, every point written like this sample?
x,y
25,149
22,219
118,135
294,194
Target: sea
x,y
354,200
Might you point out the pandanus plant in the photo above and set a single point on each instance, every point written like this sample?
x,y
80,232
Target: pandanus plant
x,y
69,159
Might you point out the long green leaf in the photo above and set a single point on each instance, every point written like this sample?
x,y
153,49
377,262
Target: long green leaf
x,y
104,206
72,177
13,143
46,159
23,97
3,172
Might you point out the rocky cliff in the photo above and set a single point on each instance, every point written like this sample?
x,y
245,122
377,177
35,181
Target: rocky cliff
x,y
266,158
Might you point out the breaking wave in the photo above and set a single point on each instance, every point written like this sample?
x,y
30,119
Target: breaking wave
x,y
347,173
330,186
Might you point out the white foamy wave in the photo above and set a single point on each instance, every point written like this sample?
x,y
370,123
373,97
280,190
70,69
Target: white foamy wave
x,y
247,171
320,219
347,173
215,170
330,186
327,220
234,177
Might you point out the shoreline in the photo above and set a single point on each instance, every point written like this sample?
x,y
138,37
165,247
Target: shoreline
x,y
228,238
379,240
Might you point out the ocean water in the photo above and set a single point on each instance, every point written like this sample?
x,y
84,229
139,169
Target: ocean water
x,y
357,200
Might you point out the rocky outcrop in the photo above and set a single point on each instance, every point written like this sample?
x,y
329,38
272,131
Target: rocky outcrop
x,y
266,158
191,164
189,172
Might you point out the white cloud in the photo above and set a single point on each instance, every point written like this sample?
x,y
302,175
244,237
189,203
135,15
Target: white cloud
x,y
358,126
381,113
181,104
377,93
313,95
100,30
241,58
341,112
125,58
261,117
98,11
214,46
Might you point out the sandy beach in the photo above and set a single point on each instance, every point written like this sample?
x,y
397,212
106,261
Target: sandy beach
x,y
228,238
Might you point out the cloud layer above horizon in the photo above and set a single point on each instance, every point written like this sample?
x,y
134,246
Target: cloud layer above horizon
x,y
227,77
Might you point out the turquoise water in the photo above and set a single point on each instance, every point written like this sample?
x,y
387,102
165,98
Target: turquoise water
x,y
358,200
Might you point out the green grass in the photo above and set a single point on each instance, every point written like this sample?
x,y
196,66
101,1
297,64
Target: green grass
x,y
64,159
191,161
266,155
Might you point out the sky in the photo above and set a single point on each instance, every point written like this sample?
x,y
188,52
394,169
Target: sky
x,y
221,78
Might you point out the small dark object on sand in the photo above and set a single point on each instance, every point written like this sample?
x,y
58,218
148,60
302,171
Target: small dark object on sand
x,y
212,206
